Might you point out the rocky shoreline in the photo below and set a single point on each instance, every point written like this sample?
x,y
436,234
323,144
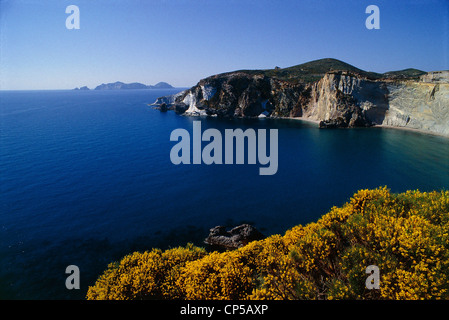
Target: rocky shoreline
x,y
332,99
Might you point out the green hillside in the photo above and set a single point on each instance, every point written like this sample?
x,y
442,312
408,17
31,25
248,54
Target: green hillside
x,y
314,70
406,73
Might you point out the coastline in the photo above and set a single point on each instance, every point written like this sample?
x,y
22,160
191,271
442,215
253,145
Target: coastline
x,y
317,122
384,126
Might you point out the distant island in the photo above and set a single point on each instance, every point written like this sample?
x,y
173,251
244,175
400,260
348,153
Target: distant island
x,y
125,86
82,88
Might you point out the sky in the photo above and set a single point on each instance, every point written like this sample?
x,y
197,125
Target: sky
x,y
183,41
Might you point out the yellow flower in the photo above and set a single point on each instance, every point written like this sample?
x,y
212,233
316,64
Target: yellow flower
x,y
406,235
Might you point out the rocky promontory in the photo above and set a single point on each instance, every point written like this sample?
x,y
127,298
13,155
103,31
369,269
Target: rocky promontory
x,y
328,91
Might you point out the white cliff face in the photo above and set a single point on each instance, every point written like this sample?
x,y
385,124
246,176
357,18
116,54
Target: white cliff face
x,y
422,105
208,91
419,105
191,101
195,106
326,97
323,100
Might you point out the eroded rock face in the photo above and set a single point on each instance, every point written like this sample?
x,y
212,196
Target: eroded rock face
x,y
338,99
233,239
419,105
233,95
345,100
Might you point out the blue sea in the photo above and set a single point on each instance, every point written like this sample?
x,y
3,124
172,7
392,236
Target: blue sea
x,y
86,178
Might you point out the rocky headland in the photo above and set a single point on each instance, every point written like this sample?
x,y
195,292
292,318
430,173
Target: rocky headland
x,y
331,92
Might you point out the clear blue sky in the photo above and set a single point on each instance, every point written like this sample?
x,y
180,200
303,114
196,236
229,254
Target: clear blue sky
x,y
182,41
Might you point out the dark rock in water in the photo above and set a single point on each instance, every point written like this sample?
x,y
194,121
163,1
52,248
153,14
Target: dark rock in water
x,y
163,107
333,123
180,108
233,239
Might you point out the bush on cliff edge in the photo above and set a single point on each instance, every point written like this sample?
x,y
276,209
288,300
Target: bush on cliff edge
x,y
406,235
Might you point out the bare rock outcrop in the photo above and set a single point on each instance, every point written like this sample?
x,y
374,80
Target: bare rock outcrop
x,y
235,238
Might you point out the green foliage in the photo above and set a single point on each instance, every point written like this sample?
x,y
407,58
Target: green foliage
x,y
314,70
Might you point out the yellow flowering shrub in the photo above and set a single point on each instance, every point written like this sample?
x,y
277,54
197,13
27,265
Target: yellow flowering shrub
x,y
216,276
406,235
148,275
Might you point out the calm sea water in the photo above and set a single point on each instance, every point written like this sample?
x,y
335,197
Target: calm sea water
x,y
86,178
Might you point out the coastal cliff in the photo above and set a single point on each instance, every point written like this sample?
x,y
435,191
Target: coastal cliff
x,y
328,91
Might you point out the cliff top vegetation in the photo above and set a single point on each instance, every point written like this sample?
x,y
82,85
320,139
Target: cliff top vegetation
x,y
315,70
